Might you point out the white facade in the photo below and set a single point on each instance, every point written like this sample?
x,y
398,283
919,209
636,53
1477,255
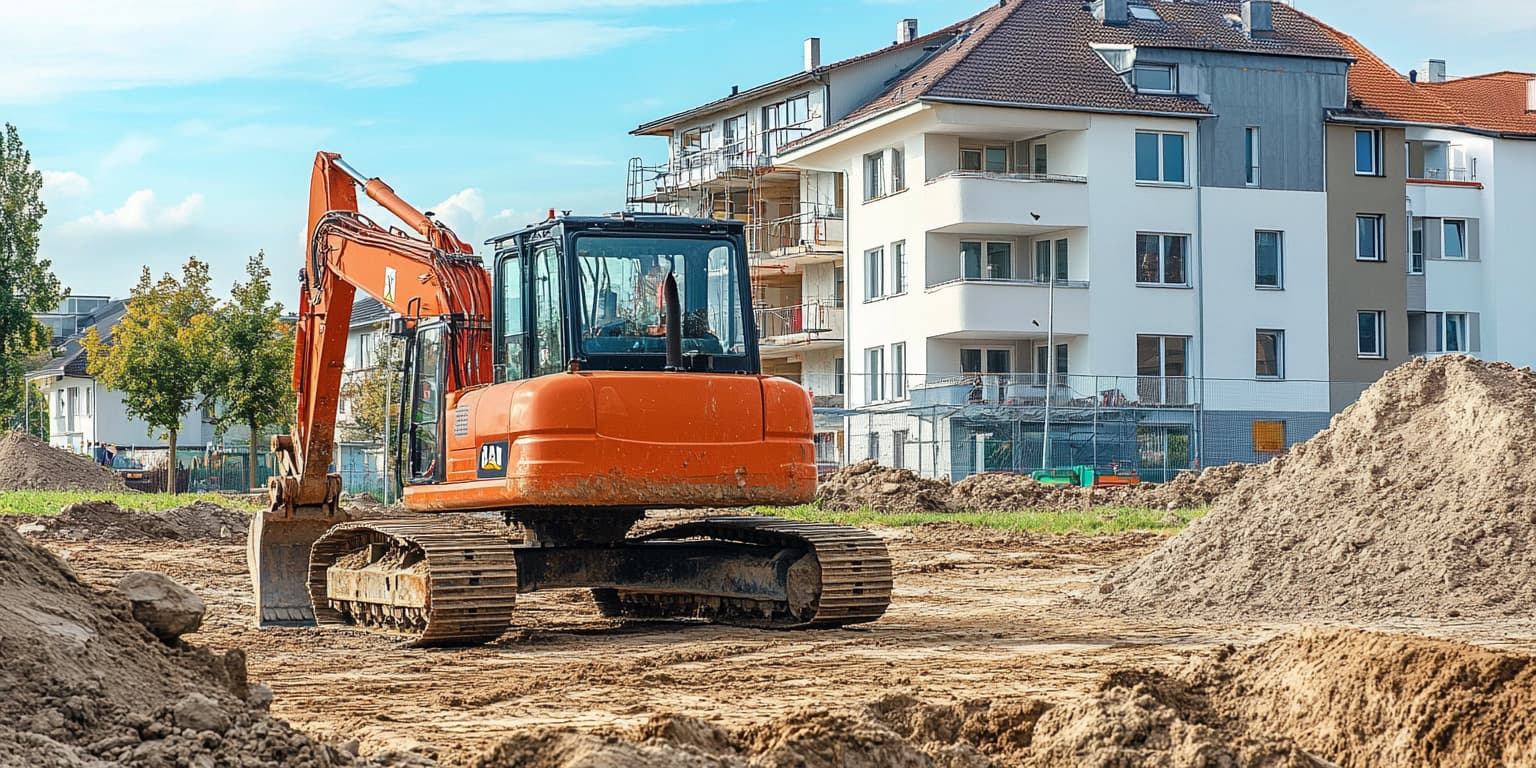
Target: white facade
x,y
81,413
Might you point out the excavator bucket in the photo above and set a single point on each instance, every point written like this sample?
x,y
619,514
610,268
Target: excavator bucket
x,y
277,552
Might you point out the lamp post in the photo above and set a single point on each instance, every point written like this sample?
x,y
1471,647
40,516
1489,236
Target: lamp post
x,y
1050,360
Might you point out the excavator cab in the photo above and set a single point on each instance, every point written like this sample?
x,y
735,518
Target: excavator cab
x,y
589,292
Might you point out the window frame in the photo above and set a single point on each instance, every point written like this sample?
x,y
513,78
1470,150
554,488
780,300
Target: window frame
x,y
898,170
1251,148
898,268
1162,255
1416,252
1171,69
1039,158
1162,179
1377,160
840,376
1460,227
1379,232
1278,335
874,273
983,263
874,374
1463,337
874,176
980,159
1279,284
1378,317
898,359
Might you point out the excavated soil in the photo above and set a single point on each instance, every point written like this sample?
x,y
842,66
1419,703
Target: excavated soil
x,y
867,484
29,464
1416,502
84,684
199,520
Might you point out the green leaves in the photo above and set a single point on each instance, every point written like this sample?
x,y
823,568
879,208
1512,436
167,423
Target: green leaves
x,y
249,380
29,284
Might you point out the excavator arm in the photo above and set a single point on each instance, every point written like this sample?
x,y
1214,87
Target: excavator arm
x,y
431,275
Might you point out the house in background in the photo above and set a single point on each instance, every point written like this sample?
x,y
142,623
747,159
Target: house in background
x,y
361,462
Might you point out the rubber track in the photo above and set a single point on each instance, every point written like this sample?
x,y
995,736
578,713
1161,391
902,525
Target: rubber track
x,y
856,576
472,577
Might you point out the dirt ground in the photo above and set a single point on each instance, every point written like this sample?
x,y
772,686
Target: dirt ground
x,y
976,614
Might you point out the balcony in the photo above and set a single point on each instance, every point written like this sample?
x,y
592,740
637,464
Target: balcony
x,y
1440,199
1030,390
973,306
968,201
782,331
811,236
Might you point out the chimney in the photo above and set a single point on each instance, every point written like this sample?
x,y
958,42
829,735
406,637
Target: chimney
x,y
812,53
1114,13
1530,95
1259,18
1433,71
906,31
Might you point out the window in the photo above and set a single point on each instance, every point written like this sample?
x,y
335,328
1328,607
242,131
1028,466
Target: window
x,y
899,371
839,286
697,140
1048,266
735,134
1040,154
874,273
996,160
1160,259
779,118
1371,332
1368,245
898,448
1160,157
1156,78
549,323
1162,363
840,373
1251,149
998,263
513,337
1268,256
874,445
1268,436
617,282
1416,247
874,172
970,159
1451,336
899,266
1269,349
1043,362
898,170
1367,153
1455,239
874,374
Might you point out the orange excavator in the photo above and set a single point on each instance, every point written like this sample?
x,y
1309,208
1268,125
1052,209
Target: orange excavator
x,y
602,367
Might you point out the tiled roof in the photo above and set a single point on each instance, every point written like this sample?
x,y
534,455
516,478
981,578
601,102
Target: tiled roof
x,y
72,361
1495,102
367,310
1040,53
936,37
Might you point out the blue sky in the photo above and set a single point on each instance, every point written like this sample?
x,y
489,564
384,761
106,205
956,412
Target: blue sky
x,y
167,129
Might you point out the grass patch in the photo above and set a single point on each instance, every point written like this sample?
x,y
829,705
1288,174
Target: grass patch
x,y
50,502
1091,521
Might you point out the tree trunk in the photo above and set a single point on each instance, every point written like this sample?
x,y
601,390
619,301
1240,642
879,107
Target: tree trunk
x,y
250,463
170,467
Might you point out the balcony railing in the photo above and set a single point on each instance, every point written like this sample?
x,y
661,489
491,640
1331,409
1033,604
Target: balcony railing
x,y
809,321
652,184
1064,391
815,227
1061,178
1036,282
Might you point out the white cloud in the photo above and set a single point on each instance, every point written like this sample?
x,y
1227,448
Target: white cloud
x,y
139,213
128,152
60,184
462,210
56,49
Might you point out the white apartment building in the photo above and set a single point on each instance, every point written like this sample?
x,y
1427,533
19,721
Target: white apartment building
x,y
1097,193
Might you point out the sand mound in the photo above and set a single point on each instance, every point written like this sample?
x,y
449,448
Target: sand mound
x,y
1309,700
29,464
83,683
198,521
868,484
1416,501
1004,492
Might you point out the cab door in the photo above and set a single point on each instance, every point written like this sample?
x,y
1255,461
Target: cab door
x,y
425,441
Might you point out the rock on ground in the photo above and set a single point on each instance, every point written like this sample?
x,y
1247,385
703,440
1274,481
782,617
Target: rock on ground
x,y
164,607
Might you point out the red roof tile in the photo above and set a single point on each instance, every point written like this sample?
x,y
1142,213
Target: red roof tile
x,y
1496,102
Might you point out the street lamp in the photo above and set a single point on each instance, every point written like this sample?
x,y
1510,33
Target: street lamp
x,y
1050,359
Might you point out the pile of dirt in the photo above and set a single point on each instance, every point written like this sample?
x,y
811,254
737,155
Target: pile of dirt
x,y
1003,492
198,521
1416,501
84,684
29,464
868,484
997,492
1308,700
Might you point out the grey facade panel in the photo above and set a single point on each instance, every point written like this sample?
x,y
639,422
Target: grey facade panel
x,y
1285,97
1227,436
1418,293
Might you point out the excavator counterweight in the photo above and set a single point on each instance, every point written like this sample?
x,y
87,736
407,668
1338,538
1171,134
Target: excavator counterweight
x,y
601,367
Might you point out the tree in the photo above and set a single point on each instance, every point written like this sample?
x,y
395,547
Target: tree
x,y
373,392
29,285
31,414
250,379
160,352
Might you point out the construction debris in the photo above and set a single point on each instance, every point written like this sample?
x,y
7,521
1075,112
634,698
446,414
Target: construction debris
x,y
1417,501
164,607
29,464
197,521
